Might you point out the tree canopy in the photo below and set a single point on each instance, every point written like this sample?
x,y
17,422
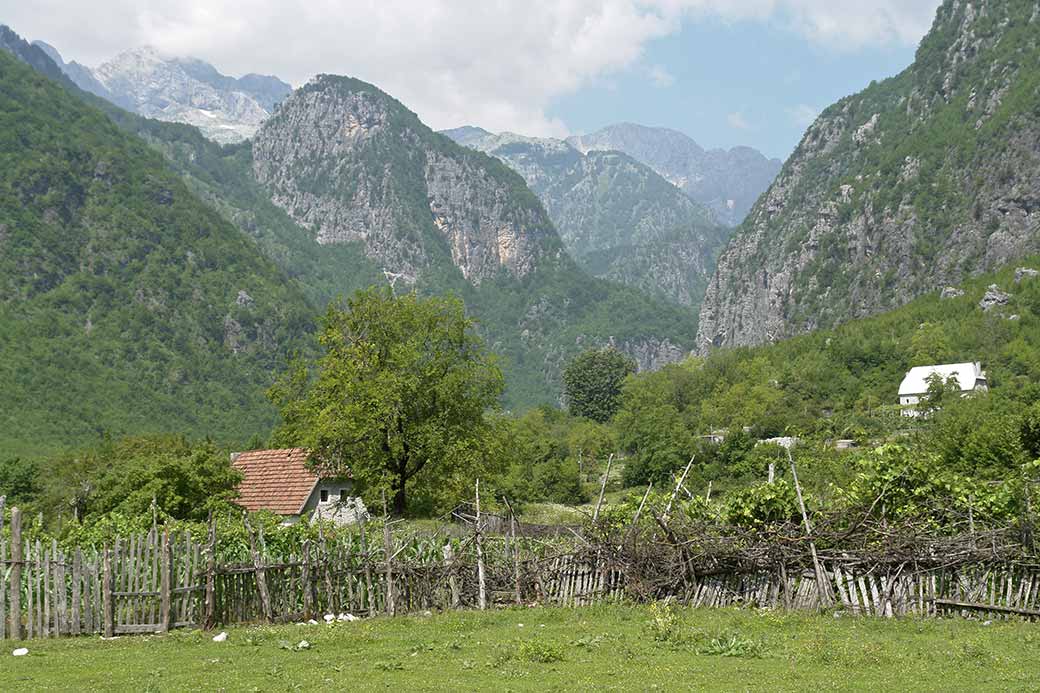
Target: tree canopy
x,y
399,400
592,382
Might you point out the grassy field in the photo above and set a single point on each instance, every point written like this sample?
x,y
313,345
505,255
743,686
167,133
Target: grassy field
x,y
624,648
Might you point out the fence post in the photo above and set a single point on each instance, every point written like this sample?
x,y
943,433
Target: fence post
x,y
106,594
453,583
258,570
305,578
211,577
822,584
3,569
16,574
370,596
165,589
388,547
478,539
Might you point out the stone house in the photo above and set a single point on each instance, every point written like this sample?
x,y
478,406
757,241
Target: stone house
x,y
969,378
282,482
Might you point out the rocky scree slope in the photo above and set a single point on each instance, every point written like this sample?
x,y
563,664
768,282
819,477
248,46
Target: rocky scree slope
x,y
617,218
128,306
726,181
180,90
913,183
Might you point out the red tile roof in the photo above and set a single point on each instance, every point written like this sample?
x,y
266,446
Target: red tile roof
x,y
275,480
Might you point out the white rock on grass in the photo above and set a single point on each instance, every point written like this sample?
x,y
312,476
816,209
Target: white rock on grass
x,y
220,637
21,652
312,622
303,645
346,617
329,618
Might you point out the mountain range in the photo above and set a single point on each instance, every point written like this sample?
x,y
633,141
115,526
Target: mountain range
x,y
616,217
155,278
179,90
913,183
726,181
343,187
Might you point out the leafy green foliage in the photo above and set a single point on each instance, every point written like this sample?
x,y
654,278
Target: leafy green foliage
x,y
761,505
184,480
398,399
538,456
592,382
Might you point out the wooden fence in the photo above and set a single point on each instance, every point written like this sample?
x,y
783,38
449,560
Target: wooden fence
x,y
156,581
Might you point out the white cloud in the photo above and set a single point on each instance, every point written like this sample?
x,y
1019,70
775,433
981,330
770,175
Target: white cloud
x,y
660,77
737,121
803,114
500,64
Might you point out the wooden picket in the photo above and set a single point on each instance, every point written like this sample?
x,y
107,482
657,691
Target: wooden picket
x,y
154,581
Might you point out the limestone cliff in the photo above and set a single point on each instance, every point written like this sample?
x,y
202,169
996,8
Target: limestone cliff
x,y
351,163
616,217
909,185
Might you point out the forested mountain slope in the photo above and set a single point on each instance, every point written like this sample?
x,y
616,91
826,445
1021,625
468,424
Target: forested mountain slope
x,y
352,165
915,182
617,218
534,305
726,181
127,304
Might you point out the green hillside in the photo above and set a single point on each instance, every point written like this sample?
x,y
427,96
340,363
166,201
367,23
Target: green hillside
x,y
843,382
127,305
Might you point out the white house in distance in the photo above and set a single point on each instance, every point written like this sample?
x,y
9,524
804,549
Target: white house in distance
x,y
969,376
282,482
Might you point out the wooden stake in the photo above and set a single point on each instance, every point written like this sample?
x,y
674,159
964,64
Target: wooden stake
x,y
822,585
368,570
478,539
16,574
165,583
603,488
107,605
211,575
668,508
388,551
453,583
3,569
259,572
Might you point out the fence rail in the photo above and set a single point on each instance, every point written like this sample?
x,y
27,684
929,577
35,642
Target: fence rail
x,y
155,581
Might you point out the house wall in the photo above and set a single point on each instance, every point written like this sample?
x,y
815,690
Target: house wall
x,y
340,505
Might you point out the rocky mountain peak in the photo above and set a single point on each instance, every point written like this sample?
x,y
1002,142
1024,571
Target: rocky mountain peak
x,y
184,90
351,163
908,186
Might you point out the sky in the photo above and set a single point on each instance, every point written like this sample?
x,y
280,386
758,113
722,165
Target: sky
x,y
725,72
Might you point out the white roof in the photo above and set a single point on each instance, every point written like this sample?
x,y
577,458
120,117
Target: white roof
x,y
916,380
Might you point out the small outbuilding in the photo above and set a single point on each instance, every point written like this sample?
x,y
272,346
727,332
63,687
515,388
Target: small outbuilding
x,y
969,378
283,482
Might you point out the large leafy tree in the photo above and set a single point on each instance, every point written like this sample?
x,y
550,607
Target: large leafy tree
x,y
399,397
592,382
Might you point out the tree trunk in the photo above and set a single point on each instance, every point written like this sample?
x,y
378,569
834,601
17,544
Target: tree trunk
x,y
400,502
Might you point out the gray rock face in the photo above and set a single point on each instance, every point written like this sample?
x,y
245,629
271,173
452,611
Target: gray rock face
x,y
617,218
868,214
949,292
728,182
993,298
352,164
180,90
1025,273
